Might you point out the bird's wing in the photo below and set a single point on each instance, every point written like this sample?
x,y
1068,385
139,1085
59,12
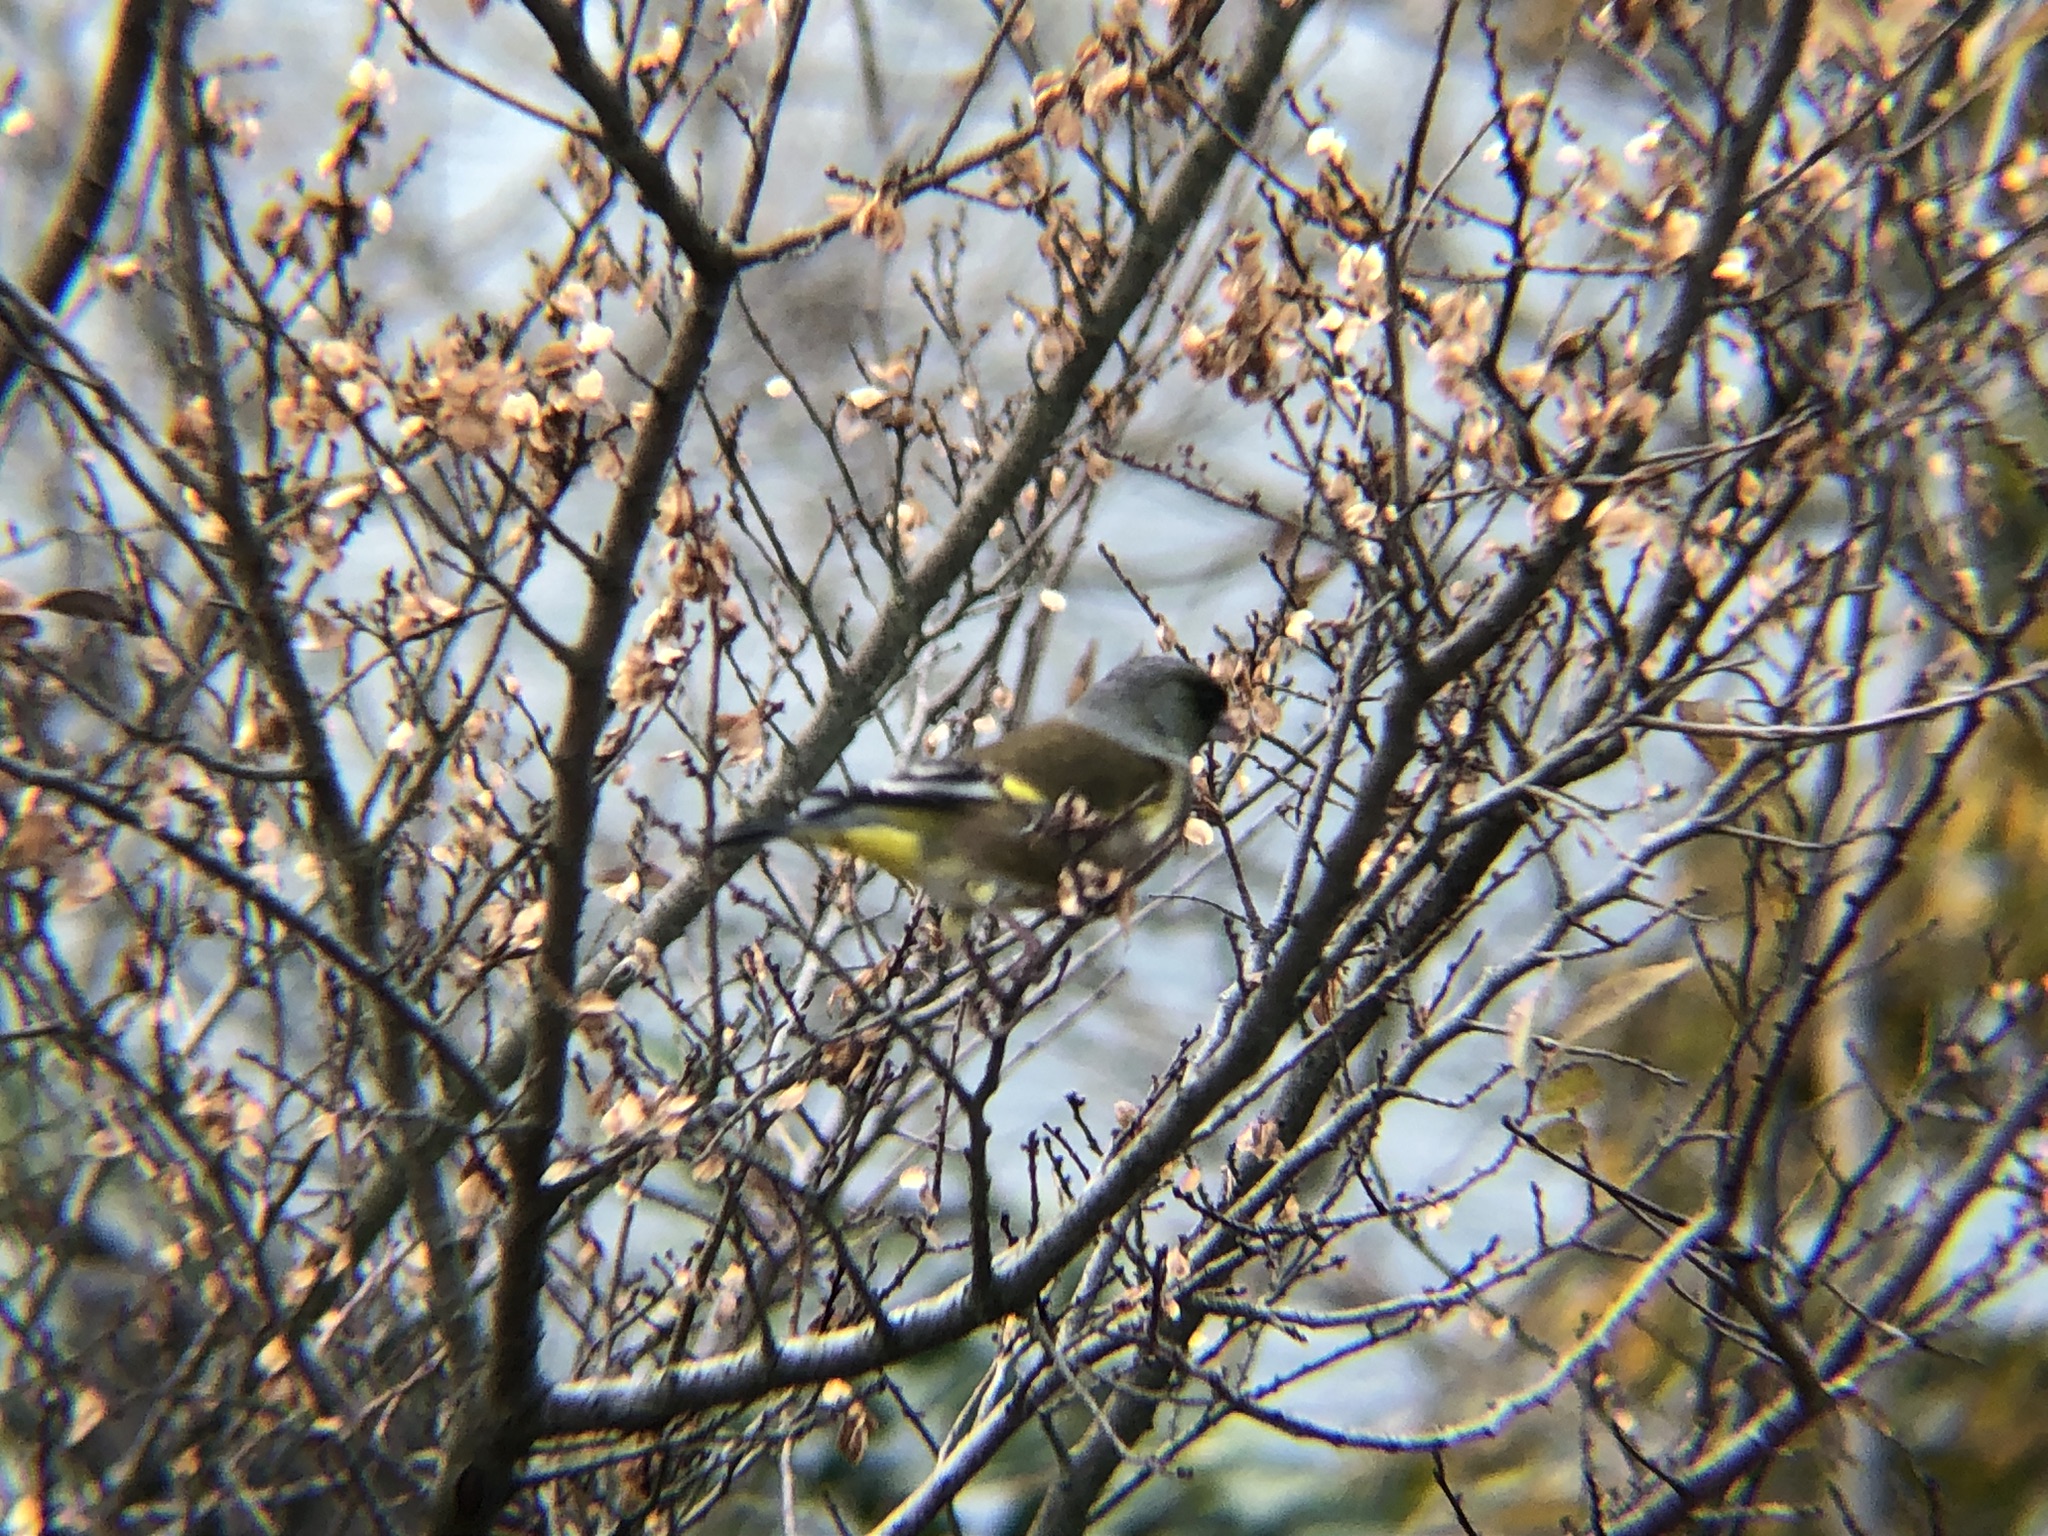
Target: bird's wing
x,y
1112,779
941,781
1113,782
917,786
910,790
923,824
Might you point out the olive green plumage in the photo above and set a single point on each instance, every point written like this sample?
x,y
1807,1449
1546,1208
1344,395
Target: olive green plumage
x,y
1088,795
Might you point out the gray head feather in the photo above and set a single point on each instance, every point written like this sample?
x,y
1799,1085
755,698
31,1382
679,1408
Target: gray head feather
x,y
1159,705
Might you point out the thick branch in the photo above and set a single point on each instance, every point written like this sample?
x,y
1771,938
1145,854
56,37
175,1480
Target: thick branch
x,y
110,131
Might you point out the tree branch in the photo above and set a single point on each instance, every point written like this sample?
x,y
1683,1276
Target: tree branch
x,y
110,132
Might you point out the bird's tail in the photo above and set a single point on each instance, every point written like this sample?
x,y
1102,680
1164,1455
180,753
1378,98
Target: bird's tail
x,y
752,836
827,813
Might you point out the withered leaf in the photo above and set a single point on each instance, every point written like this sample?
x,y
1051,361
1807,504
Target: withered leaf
x,y
156,657
84,881
854,1429
87,603
741,734
557,359
39,840
1721,752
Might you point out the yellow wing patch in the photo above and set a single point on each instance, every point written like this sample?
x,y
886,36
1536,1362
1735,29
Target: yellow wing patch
x,y
1014,788
1156,817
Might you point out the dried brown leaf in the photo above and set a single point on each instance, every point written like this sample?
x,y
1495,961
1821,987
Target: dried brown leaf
x,y
742,735
89,604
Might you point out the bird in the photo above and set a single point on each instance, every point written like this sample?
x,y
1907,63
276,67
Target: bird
x,y
1054,814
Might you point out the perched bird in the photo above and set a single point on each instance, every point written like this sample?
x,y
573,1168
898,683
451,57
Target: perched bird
x,y
1054,814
